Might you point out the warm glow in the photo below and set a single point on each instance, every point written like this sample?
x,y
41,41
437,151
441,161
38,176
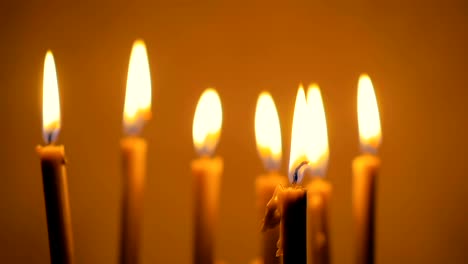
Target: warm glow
x,y
207,122
317,150
301,131
137,108
50,101
368,116
268,132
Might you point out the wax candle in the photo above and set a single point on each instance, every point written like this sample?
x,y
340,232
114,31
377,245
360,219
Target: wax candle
x,y
137,110
318,188
268,138
207,171
288,206
365,168
54,175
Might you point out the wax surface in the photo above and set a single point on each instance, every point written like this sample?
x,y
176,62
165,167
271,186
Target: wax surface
x,y
318,236
207,174
134,172
365,169
55,186
265,186
293,235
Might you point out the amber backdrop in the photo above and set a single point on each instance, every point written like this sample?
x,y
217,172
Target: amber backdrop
x,y
416,54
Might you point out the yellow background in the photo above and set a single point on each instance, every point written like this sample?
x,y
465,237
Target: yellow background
x,y
415,52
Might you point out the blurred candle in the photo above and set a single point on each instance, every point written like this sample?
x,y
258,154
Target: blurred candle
x,y
54,175
318,189
268,138
137,110
365,169
206,172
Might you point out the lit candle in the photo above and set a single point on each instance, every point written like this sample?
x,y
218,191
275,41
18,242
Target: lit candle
x,y
288,207
268,138
54,175
137,110
365,169
318,189
206,172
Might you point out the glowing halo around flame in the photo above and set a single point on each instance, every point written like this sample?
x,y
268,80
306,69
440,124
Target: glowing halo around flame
x,y
207,122
301,130
268,132
137,108
370,133
317,149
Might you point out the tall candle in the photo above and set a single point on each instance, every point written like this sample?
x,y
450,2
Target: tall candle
x,y
137,110
365,169
288,206
54,175
318,189
207,171
268,138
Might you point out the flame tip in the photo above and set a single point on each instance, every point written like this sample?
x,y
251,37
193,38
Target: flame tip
x,y
264,93
364,75
139,43
314,86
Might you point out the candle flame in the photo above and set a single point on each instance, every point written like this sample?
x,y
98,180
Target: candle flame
x,y
268,132
50,101
301,131
137,108
207,122
368,116
317,150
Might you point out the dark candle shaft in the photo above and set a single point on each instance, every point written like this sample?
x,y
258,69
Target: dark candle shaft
x,y
365,168
57,205
293,227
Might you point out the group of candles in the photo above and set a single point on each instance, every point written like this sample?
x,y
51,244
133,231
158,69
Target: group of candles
x,y
294,216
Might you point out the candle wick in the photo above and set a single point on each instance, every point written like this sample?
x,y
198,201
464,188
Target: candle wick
x,y
296,171
49,138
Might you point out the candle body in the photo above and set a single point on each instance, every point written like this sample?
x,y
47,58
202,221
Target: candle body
x,y
365,169
207,177
318,237
56,202
293,234
134,171
265,186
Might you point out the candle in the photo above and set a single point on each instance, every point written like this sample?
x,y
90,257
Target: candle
x,y
206,172
288,205
365,168
268,138
137,110
318,189
53,171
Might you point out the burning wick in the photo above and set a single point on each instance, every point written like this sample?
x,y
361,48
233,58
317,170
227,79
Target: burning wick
x,y
298,170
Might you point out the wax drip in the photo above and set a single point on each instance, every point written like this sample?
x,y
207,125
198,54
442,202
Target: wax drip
x,y
272,214
296,171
